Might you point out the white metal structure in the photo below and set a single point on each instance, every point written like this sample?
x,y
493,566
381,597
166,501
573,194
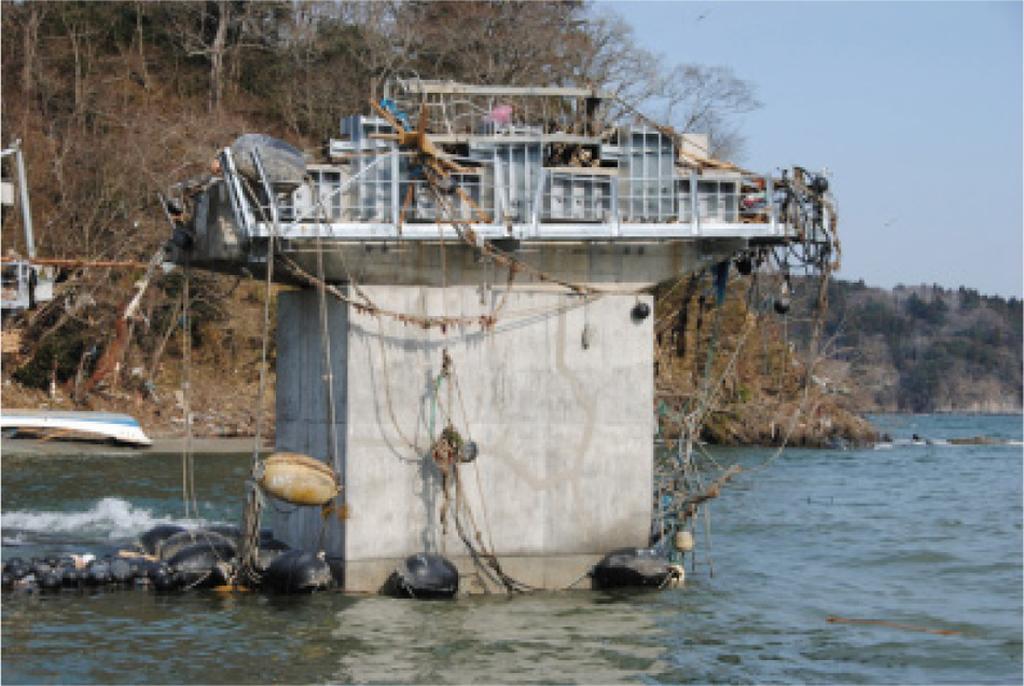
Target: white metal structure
x,y
23,284
536,171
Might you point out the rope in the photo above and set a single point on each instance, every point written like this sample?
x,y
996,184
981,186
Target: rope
x,y
483,321
578,579
186,388
188,484
249,553
686,507
328,374
812,358
468,235
387,396
454,379
264,345
493,565
446,456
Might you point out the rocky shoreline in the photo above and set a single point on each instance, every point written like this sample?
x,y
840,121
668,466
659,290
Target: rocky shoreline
x,y
225,419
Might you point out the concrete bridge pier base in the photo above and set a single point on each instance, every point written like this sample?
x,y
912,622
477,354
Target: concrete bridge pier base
x,y
557,395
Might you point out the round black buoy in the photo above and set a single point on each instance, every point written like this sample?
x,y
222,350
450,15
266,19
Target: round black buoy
x,y
200,564
226,530
97,573
426,576
120,571
296,571
51,580
17,569
744,265
640,312
269,550
165,580
71,576
469,451
151,541
628,567
197,537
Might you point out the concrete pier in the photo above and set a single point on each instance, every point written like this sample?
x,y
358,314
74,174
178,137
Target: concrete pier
x,y
557,395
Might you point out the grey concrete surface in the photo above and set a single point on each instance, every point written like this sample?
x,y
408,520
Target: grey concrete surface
x,y
558,396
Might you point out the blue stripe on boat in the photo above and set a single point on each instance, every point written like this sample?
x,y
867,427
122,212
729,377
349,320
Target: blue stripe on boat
x,y
92,417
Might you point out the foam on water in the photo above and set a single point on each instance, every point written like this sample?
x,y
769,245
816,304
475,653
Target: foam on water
x,y
111,518
17,539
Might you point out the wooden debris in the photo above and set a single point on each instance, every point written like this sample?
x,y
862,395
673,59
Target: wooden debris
x,y
833,619
11,341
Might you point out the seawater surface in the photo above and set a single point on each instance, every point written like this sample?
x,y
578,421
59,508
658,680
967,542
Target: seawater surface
x,y
921,535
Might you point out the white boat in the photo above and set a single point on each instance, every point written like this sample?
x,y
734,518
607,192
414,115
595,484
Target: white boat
x,y
50,424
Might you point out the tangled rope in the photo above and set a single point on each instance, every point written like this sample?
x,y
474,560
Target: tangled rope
x,y
690,497
448,453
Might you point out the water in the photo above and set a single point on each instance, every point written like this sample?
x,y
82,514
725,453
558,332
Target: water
x,y
926,535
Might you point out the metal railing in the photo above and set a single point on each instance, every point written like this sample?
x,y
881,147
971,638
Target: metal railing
x,y
577,197
562,197
377,197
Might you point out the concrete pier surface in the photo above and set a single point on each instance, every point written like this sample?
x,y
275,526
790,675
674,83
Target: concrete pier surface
x,y
557,396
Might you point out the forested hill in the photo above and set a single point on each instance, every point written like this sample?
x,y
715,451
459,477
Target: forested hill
x,y
115,101
927,349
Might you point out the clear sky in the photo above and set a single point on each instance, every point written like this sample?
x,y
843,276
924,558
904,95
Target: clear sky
x,y
915,107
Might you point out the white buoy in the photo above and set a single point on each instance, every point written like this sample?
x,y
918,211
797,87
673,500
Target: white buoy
x,y
683,541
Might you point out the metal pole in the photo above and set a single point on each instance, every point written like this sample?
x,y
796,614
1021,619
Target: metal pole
x,y
538,202
395,189
694,204
26,209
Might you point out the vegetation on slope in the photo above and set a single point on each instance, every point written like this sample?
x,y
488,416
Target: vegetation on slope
x,y
114,101
928,349
736,358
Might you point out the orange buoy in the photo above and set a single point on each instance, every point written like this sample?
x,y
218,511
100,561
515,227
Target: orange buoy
x,y
299,479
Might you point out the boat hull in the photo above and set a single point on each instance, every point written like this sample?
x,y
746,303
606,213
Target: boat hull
x,y
70,424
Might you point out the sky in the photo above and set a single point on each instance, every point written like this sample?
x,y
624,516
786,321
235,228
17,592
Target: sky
x,y
914,107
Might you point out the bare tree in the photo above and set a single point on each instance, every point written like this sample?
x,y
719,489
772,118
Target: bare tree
x,y
689,97
212,31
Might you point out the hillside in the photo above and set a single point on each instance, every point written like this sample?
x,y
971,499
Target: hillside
x,y
115,101
738,360
227,336
926,349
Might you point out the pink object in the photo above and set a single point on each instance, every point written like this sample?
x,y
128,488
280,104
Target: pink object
x,y
502,114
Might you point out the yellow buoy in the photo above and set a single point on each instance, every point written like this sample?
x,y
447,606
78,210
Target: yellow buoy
x,y
299,479
683,541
